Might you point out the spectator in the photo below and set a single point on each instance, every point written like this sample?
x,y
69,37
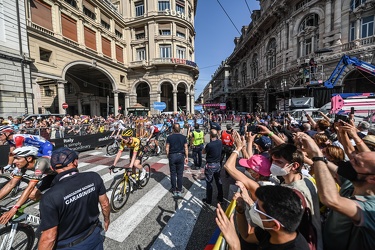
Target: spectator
x,y
363,128
212,169
274,218
69,209
177,153
350,224
57,131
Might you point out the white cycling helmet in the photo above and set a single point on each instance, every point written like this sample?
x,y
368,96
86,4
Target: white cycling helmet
x,y
25,151
6,128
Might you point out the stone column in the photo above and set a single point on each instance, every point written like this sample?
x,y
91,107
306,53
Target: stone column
x,y
192,102
115,103
174,101
357,27
61,95
327,19
81,33
57,23
187,101
158,96
337,21
127,104
79,103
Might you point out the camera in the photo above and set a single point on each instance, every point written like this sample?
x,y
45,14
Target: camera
x,y
344,118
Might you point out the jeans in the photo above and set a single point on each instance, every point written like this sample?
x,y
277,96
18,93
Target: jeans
x,y
197,156
226,152
93,242
211,172
176,167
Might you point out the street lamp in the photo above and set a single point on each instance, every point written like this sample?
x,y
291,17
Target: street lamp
x,y
283,84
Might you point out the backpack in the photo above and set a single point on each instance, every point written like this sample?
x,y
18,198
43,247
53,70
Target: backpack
x,y
306,227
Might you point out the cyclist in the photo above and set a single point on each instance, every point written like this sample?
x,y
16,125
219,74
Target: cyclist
x,y
118,127
154,133
25,158
18,140
134,144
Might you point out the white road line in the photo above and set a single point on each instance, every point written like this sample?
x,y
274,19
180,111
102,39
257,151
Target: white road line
x,y
177,232
164,161
96,168
122,227
125,157
82,164
95,153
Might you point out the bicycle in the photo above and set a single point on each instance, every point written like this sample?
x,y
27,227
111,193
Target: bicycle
x,y
149,148
113,147
6,176
19,234
126,185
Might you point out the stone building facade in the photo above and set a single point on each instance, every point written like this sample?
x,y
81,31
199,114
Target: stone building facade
x,y
102,56
15,88
291,47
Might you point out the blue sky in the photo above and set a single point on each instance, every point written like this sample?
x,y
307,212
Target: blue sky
x,y
215,34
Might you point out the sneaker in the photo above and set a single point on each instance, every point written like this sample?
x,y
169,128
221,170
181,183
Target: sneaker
x,y
143,174
177,194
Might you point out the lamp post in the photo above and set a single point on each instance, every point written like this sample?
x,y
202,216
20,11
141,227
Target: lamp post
x,y
283,84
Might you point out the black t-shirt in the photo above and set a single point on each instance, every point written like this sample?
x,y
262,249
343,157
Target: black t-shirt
x,y
299,243
213,151
176,143
71,203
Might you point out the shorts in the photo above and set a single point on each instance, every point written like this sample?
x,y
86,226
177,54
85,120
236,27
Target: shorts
x,y
139,154
156,135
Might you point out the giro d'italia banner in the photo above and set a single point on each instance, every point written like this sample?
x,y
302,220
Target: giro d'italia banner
x,y
84,142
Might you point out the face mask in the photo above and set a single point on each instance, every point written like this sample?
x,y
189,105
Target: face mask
x,y
255,219
278,171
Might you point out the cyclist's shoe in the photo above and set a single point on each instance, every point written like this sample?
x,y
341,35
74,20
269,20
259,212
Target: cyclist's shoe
x,y
143,174
158,150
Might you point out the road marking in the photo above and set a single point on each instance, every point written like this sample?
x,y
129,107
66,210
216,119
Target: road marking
x,y
177,232
165,161
83,164
96,153
123,226
96,168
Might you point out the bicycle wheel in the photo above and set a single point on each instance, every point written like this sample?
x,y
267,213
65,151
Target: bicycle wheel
x,y
113,148
120,194
23,239
144,182
162,146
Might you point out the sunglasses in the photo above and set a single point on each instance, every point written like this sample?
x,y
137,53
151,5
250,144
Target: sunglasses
x,y
256,208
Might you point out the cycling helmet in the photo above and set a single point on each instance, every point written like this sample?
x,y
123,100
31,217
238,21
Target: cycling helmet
x,y
127,133
25,151
6,128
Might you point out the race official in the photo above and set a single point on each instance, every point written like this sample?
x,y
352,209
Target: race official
x,y
197,142
212,169
69,209
177,152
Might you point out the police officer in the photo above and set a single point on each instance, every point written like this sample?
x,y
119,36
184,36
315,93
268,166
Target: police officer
x,y
197,142
69,209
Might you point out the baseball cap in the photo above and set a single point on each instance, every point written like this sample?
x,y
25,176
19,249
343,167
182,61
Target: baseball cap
x,y
258,163
61,157
369,140
229,126
264,141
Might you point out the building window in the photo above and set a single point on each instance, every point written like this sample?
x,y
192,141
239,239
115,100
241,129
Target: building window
x,y
118,34
244,75
163,5
180,32
367,27
189,12
356,3
89,10
48,91
141,54
73,3
139,8
271,54
164,29
105,24
352,31
45,55
180,52
165,51
180,6
122,78
301,4
308,35
140,33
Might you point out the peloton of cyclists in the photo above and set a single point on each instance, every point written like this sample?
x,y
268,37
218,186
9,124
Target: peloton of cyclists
x,y
134,144
26,158
154,133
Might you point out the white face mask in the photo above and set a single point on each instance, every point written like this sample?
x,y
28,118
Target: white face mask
x,y
278,171
255,219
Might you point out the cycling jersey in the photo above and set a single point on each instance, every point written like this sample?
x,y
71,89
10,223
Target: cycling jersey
x,y
135,144
45,147
227,139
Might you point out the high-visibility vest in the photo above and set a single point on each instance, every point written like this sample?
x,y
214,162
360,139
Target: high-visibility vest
x,y
198,138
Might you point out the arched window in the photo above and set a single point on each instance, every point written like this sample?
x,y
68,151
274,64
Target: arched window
x,y
271,54
254,66
356,3
308,35
243,74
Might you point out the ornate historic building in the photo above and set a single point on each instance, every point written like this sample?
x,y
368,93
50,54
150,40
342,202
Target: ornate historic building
x,y
290,48
102,56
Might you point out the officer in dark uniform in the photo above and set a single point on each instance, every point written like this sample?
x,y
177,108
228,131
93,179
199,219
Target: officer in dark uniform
x,y
212,169
69,209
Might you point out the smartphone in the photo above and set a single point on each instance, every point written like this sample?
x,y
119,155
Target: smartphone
x,y
352,110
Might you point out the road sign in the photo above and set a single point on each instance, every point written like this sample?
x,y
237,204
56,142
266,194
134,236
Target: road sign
x,y
65,105
160,106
